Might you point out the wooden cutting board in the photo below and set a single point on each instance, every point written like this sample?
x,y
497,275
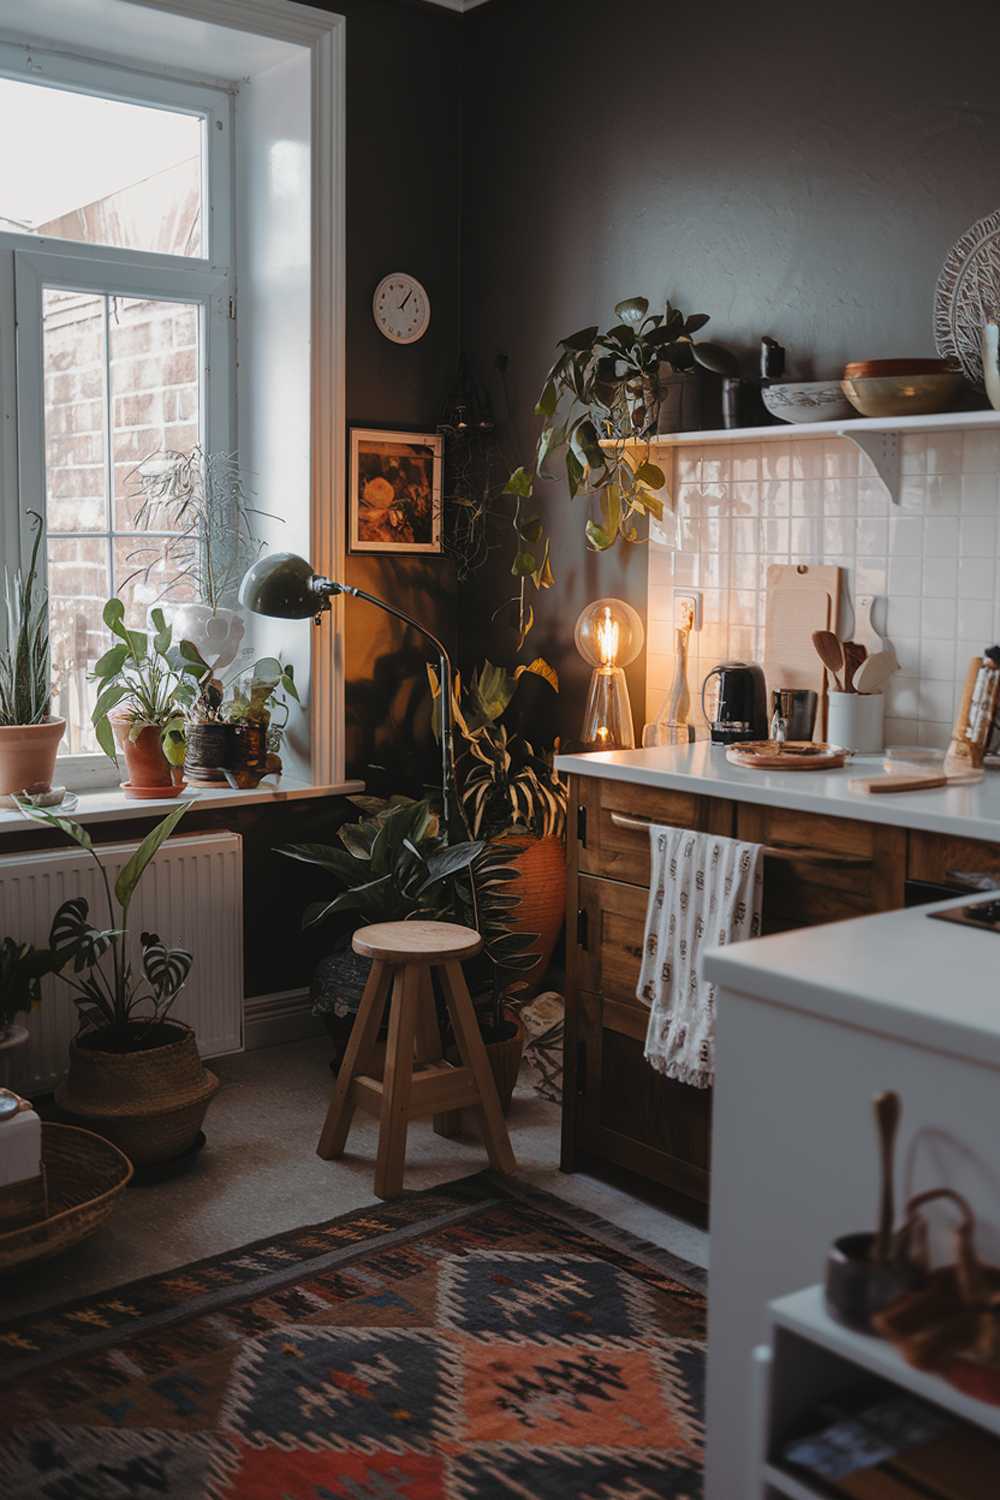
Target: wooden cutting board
x,y
801,598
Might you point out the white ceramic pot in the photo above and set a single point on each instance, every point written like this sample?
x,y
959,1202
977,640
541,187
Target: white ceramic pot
x,y
218,633
856,721
991,362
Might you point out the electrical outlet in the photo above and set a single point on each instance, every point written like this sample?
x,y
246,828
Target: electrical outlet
x,y
687,611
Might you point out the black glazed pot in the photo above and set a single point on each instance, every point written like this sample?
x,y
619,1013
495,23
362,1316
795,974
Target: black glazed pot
x,y
858,1287
208,753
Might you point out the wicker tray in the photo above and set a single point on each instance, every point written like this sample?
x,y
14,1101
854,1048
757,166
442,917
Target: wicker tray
x,y
85,1175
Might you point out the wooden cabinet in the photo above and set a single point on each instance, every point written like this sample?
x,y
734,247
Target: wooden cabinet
x,y
618,1110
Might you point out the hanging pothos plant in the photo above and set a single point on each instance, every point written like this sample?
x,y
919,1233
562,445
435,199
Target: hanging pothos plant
x,y
599,405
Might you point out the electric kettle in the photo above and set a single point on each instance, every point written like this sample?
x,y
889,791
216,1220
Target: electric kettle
x,y
740,710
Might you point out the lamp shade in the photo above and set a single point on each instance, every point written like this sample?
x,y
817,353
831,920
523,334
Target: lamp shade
x,y
283,585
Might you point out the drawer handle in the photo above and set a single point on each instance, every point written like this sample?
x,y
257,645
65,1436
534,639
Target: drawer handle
x,y
773,851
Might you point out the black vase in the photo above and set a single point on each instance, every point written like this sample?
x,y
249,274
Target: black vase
x,y
208,753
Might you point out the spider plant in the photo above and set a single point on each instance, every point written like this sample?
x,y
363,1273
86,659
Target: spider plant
x,y
199,498
111,995
25,687
142,675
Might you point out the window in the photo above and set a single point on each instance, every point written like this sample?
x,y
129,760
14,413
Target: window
x,y
116,268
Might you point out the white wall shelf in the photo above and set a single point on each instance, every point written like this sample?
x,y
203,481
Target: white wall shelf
x,y
879,438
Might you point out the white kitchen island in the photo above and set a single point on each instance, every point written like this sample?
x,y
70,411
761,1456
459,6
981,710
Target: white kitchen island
x,y
810,1026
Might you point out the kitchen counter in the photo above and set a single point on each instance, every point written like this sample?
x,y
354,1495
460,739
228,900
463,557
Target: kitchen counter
x,y
812,1025
969,811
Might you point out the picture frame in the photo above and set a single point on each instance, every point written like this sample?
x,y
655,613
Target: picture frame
x,y
394,499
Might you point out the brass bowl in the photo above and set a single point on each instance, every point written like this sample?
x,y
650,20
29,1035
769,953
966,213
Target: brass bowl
x,y
912,395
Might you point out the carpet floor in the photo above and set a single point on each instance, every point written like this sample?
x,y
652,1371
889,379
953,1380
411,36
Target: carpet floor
x,y
474,1340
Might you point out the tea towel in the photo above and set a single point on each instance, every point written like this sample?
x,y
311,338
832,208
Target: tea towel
x,y
704,892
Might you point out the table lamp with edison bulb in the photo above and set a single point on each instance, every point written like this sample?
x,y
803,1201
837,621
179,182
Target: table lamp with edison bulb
x,y
608,635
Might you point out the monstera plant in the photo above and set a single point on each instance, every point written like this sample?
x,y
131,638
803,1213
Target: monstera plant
x,y
599,406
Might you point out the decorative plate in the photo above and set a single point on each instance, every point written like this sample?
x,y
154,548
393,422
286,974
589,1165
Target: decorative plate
x,y
967,294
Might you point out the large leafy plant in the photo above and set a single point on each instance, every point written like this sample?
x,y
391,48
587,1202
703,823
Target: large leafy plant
x,y
109,991
395,864
25,686
22,968
599,405
146,678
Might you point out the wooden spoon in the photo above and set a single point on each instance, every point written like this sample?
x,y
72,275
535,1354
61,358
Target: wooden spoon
x,y
854,655
874,673
887,1112
830,653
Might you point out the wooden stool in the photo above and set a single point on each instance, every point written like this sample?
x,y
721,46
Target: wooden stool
x,y
404,954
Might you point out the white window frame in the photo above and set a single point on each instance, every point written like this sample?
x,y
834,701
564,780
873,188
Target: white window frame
x,y
31,263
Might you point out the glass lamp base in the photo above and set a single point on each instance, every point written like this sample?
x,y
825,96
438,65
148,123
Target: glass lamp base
x,y
607,719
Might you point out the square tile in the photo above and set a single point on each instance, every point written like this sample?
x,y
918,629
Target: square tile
x,y
903,615
979,494
976,577
774,536
838,534
871,575
944,453
975,620
936,700
906,536
907,649
744,498
913,457
977,536
937,619
745,536
872,536
840,497
775,497
807,497
901,696
980,452
906,575
943,495
940,576
941,536
937,660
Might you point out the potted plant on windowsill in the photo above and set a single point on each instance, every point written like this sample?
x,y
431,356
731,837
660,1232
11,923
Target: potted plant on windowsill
x,y
135,1076
235,740
29,736
145,688
394,865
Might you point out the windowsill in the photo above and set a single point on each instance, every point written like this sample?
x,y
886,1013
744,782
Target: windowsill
x,y
113,806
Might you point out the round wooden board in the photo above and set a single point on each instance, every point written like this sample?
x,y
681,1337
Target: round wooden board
x,y
793,755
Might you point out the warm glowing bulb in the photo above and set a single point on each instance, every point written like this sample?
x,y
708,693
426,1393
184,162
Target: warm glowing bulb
x,y
602,733
608,637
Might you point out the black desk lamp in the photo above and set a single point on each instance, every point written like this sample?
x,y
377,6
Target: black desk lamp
x,y
286,587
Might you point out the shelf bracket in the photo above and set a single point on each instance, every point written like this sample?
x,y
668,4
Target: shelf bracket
x,y
884,451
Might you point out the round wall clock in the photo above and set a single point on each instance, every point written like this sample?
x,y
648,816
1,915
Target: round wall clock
x,y
401,308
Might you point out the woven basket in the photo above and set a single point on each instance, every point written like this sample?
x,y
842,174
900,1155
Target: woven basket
x,y
150,1103
85,1175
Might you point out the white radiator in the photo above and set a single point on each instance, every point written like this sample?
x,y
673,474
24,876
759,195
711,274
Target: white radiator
x,y
191,894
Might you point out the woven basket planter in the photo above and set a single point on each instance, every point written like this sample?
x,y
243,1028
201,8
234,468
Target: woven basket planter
x,y
505,1060
85,1175
150,1103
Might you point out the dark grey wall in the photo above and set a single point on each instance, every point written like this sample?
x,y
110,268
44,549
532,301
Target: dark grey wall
x,y
403,192
790,170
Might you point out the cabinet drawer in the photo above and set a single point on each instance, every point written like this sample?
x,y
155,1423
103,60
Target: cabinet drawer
x,y
607,812
610,929
938,858
824,869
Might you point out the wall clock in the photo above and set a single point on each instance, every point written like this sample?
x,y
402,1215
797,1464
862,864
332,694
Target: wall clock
x,y
401,308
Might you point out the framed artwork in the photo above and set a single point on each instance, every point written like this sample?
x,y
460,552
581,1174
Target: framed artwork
x,y
395,490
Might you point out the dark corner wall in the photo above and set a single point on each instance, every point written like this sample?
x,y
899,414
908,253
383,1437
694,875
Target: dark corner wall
x,y
403,214
787,171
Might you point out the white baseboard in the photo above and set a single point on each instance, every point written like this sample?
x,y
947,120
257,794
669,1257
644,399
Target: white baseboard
x,y
282,1017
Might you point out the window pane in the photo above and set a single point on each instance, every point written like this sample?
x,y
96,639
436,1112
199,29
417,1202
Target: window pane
x,y
155,389
122,378
78,587
75,426
99,171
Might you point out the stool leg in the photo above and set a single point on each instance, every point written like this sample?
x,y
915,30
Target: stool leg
x,y
396,1082
470,1045
357,1058
429,1049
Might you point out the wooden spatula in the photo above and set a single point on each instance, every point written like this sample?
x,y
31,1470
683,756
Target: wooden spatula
x,y
911,781
830,653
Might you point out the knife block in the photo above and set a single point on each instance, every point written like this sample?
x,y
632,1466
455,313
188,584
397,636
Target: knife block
x,y
976,716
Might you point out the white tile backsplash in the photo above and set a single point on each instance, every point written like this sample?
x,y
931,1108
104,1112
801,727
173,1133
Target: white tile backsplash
x,y
935,557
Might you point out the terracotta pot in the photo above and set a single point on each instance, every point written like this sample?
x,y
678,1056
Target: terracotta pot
x,y
541,885
147,764
149,1102
28,755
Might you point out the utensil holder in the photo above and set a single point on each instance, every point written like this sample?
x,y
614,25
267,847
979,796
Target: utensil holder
x,y
856,721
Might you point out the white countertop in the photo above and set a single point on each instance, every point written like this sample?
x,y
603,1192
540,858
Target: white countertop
x,y
897,974
969,811
113,806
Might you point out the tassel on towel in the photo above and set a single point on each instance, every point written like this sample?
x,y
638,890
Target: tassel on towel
x,y
704,891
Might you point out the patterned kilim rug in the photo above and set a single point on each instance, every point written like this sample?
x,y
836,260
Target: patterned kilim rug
x,y
465,1342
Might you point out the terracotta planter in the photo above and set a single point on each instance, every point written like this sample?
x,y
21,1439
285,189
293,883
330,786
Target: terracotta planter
x,y
149,771
28,755
541,885
151,1102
